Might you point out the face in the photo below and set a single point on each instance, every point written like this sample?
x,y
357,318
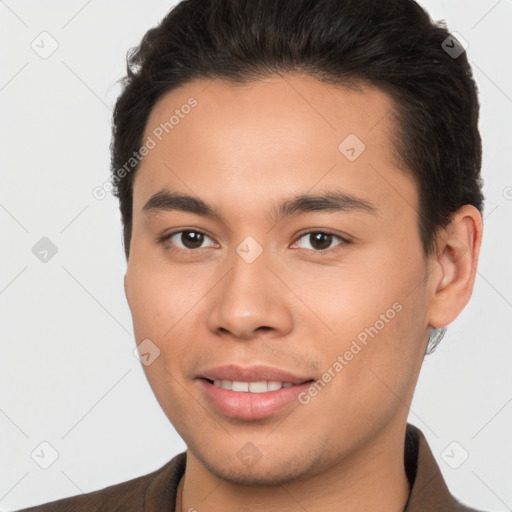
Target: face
x,y
328,294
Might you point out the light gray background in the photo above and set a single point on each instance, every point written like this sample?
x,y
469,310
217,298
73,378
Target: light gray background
x,y
67,372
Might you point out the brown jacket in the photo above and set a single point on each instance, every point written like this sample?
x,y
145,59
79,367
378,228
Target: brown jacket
x,y
156,492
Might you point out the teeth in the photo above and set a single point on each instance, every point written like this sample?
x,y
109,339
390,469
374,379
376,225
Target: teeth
x,y
274,385
251,387
255,387
240,386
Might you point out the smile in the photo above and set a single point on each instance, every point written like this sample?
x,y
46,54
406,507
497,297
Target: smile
x,y
251,387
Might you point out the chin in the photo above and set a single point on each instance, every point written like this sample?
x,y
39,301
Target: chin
x,y
268,471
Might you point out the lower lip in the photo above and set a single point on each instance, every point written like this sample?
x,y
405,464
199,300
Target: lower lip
x,y
251,406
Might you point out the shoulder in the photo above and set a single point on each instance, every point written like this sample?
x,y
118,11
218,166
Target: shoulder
x,y
429,492
464,508
132,495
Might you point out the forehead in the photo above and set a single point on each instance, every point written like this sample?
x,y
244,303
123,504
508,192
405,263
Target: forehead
x,y
238,142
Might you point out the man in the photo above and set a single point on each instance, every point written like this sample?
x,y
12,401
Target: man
x,y
299,183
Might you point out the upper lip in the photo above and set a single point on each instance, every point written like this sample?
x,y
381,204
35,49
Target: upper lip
x,y
251,374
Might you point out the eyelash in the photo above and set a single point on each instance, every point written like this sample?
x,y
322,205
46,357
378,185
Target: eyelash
x,y
163,239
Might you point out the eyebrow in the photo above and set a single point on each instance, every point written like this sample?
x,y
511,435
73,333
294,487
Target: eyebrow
x,y
330,201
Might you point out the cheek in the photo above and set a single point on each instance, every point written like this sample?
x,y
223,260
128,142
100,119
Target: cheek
x,y
367,290
378,316
165,303
157,298
375,372
159,304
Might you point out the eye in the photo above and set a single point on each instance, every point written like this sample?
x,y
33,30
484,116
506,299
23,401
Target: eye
x,y
189,240
320,241
185,239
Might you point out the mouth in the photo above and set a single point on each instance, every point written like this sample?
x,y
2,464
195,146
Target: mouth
x,y
251,393
263,386
240,375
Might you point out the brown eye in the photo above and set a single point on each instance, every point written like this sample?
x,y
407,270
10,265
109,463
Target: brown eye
x,y
191,239
321,240
185,240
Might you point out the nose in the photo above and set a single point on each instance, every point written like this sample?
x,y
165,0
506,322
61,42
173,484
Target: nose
x,y
250,300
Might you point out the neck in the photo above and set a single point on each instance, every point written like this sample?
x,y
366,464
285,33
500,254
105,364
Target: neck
x,y
372,478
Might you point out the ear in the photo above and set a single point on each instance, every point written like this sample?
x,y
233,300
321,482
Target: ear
x,y
453,269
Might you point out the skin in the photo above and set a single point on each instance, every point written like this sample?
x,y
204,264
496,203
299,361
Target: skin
x,y
245,148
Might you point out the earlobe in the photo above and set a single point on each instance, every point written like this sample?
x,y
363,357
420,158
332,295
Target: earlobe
x,y
457,260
